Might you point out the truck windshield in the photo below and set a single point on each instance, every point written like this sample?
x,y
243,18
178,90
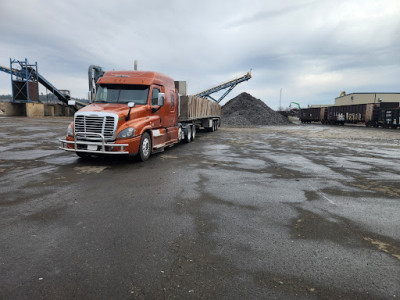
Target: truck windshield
x,y
121,93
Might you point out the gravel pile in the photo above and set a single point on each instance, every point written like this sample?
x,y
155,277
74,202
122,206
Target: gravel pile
x,y
245,111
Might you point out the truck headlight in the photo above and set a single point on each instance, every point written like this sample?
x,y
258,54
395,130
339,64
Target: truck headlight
x,y
126,133
70,131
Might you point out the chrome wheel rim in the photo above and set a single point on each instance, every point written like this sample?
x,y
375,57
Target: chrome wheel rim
x,y
146,147
179,134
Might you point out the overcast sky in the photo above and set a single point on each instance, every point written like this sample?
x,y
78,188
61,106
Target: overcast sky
x,y
312,50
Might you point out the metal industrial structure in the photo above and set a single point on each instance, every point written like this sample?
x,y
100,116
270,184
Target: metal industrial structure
x,y
230,85
24,82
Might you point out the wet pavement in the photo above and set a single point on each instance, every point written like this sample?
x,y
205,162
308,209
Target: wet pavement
x,y
303,212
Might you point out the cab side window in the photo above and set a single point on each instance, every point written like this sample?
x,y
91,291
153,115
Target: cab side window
x,y
172,101
154,96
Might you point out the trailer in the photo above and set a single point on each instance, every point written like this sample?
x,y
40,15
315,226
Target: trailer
x,y
199,112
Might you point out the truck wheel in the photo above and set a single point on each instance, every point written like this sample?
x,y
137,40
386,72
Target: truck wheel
x,y
179,134
188,135
145,147
193,132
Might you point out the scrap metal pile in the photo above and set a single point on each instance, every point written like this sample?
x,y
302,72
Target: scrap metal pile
x,y
246,111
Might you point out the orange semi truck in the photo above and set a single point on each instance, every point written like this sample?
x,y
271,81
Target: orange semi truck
x,y
138,113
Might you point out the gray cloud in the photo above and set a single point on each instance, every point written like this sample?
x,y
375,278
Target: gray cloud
x,y
269,14
312,50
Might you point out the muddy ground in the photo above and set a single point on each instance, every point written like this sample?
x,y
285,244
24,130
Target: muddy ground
x,y
302,211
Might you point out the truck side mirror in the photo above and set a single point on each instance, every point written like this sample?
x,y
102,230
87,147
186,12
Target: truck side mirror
x,y
71,102
161,97
130,105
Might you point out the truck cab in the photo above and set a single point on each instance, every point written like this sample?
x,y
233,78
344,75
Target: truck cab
x,y
133,112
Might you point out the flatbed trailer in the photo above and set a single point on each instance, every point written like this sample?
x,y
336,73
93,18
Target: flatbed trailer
x,y
200,111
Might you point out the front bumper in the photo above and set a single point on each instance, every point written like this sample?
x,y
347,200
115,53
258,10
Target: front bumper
x,y
96,147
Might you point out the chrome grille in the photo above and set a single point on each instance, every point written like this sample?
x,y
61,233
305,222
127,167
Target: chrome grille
x,y
95,124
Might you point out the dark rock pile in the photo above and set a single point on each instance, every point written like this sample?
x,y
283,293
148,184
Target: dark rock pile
x,y
245,111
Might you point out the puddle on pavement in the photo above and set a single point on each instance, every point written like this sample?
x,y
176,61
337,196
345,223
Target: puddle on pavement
x,y
90,169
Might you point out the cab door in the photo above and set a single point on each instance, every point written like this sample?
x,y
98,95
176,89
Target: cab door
x,y
156,111
172,106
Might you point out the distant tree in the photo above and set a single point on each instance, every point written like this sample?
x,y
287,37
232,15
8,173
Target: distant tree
x,y
44,98
2,97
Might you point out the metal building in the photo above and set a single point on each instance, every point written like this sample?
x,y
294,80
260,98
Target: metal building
x,y
364,98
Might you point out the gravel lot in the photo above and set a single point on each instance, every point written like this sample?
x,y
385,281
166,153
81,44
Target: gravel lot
x,y
298,211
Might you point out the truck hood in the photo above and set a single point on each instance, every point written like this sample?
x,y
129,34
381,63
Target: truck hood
x,y
119,109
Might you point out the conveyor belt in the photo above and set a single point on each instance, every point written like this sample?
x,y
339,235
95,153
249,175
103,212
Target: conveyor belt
x,y
43,81
227,85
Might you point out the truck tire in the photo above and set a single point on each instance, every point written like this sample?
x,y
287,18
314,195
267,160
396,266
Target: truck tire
x,y
188,134
212,128
144,147
193,132
179,134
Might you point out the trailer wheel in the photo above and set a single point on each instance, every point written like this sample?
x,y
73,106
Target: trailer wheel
x,y
193,132
188,135
212,128
145,147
